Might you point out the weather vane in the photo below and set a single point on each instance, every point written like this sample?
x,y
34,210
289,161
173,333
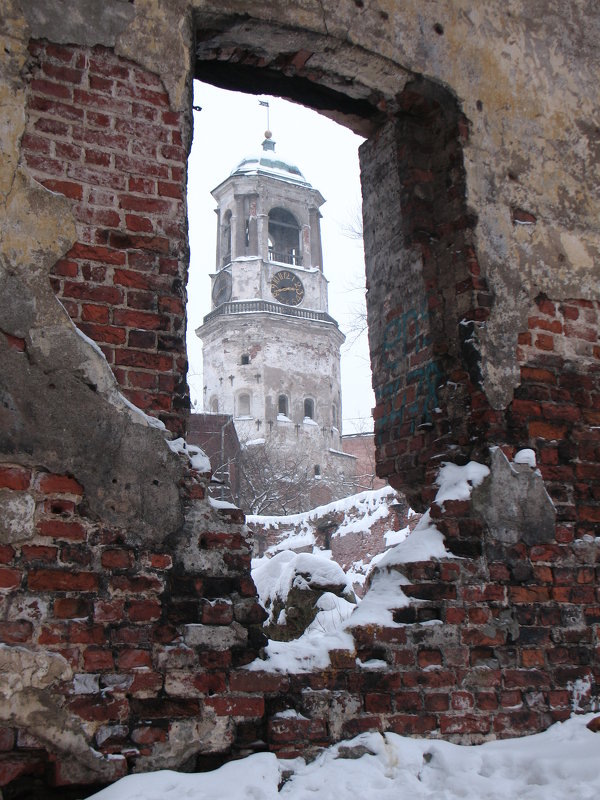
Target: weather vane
x,y
265,104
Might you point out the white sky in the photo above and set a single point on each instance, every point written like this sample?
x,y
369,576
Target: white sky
x,y
231,126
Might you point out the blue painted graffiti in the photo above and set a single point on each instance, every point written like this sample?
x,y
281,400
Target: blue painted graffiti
x,y
400,333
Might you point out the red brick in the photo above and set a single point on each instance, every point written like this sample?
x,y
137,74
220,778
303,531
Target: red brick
x,y
138,224
10,578
96,709
117,559
136,584
64,111
7,553
93,313
60,580
148,735
546,430
140,319
144,610
96,253
16,632
436,702
465,723
98,660
131,659
258,682
58,484
36,552
551,325
462,700
153,361
378,703
529,594
109,334
147,205
161,561
62,529
237,706
408,724
487,701
66,188
17,478
428,658
538,375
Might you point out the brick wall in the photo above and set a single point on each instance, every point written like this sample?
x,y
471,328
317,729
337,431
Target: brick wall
x,y
148,641
510,646
425,291
556,408
100,131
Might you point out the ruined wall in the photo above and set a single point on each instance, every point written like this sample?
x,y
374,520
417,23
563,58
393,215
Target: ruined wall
x,y
125,596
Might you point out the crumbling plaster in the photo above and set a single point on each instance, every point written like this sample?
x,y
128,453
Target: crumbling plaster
x,y
119,456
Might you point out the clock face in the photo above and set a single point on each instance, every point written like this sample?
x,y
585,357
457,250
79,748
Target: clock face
x,y
221,292
287,288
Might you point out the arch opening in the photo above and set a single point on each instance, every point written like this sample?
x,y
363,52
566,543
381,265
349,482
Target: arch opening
x,y
425,297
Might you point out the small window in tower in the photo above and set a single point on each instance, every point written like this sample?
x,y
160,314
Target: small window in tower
x,y
214,405
245,358
317,471
334,415
247,233
282,405
226,239
309,408
243,405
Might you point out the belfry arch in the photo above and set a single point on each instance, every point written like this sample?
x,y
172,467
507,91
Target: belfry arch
x,y
418,231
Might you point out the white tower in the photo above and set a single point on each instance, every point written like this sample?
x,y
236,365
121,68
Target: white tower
x,y
271,352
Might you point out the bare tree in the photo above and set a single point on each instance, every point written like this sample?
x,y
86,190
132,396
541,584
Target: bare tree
x,y
277,481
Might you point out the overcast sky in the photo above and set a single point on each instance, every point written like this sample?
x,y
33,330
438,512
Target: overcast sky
x,y
231,126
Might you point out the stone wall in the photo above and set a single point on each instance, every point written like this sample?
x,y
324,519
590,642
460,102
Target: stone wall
x,y
128,612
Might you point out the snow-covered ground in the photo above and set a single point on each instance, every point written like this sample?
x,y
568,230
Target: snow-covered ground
x,y
560,764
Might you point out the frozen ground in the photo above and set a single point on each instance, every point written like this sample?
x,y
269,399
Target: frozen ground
x,y
560,764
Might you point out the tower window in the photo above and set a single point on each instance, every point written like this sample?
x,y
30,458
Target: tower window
x,y
334,415
309,408
282,405
317,471
284,237
244,405
245,358
214,405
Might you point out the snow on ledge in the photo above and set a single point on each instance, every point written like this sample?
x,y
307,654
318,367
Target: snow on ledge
x,y
198,458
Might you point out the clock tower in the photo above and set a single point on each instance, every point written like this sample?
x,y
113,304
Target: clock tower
x,y
271,351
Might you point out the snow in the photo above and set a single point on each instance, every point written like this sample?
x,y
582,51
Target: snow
x,y
198,458
220,503
274,577
526,456
457,482
425,543
395,537
365,502
559,764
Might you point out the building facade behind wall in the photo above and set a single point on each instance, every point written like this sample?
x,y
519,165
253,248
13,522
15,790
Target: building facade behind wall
x,y
271,351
